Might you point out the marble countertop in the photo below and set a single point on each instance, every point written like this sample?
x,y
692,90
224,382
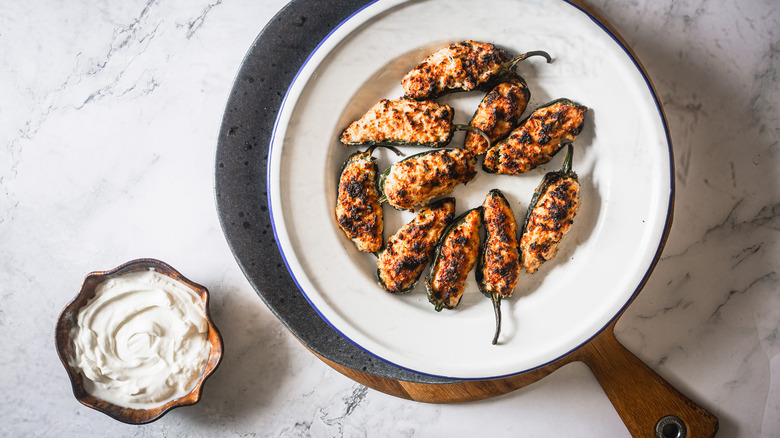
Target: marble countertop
x,y
109,115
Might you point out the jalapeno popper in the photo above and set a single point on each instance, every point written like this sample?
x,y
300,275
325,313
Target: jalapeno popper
x,y
358,210
417,179
409,250
464,66
498,266
454,257
498,114
537,139
402,122
550,215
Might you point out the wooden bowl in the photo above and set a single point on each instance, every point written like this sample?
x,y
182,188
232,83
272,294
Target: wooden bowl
x,y
67,321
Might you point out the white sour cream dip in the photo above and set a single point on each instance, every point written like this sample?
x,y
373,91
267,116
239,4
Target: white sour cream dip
x,y
142,340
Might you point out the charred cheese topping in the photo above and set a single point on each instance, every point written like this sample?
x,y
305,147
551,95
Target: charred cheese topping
x,y
537,138
498,114
358,210
455,256
402,122
409,250
460,66
548,221
418,179
500,264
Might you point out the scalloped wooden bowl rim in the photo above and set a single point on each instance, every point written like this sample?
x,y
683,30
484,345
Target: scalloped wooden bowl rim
x,y
67,320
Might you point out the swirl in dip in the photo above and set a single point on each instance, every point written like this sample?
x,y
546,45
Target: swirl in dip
x,y
142,340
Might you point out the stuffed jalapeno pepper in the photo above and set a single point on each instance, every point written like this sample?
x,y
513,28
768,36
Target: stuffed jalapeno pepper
x,y
408,251
402,122
498,114
550,215
498,266
454,257
358,210
464,66
537,139
417,179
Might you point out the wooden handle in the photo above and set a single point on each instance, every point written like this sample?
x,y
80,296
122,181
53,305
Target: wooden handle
x,y
648,405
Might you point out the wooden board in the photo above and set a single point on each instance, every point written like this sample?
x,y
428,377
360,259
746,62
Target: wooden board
x,y
647,404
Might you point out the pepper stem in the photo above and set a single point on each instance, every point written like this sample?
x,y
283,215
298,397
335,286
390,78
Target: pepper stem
x,y
395,149
371,148
475,130
497,310
513,62
566,168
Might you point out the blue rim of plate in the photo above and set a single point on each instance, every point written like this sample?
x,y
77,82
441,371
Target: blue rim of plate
x,y
649,270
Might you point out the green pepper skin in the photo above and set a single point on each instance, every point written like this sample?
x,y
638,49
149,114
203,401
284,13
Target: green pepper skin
x,y
550,215
498,266
397,143
537,139
408,251
454,257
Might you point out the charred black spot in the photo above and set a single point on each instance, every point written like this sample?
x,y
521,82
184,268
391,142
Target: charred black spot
x,y
503,235
491,98
418,247
502,270
546,128
500,113
354,188
557,116
411,262
491,57
524,137
460,240
448,273
347,223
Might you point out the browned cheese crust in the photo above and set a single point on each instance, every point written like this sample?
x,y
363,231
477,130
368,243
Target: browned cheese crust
x,y
536,140
458,66
417,180
457,256
501,263
409,250
498,114
358,210
402,121
549,221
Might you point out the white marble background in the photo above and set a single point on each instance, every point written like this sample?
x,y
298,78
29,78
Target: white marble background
x,y
109,114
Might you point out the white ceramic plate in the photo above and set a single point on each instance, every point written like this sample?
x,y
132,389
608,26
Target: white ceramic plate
x,y
623,158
